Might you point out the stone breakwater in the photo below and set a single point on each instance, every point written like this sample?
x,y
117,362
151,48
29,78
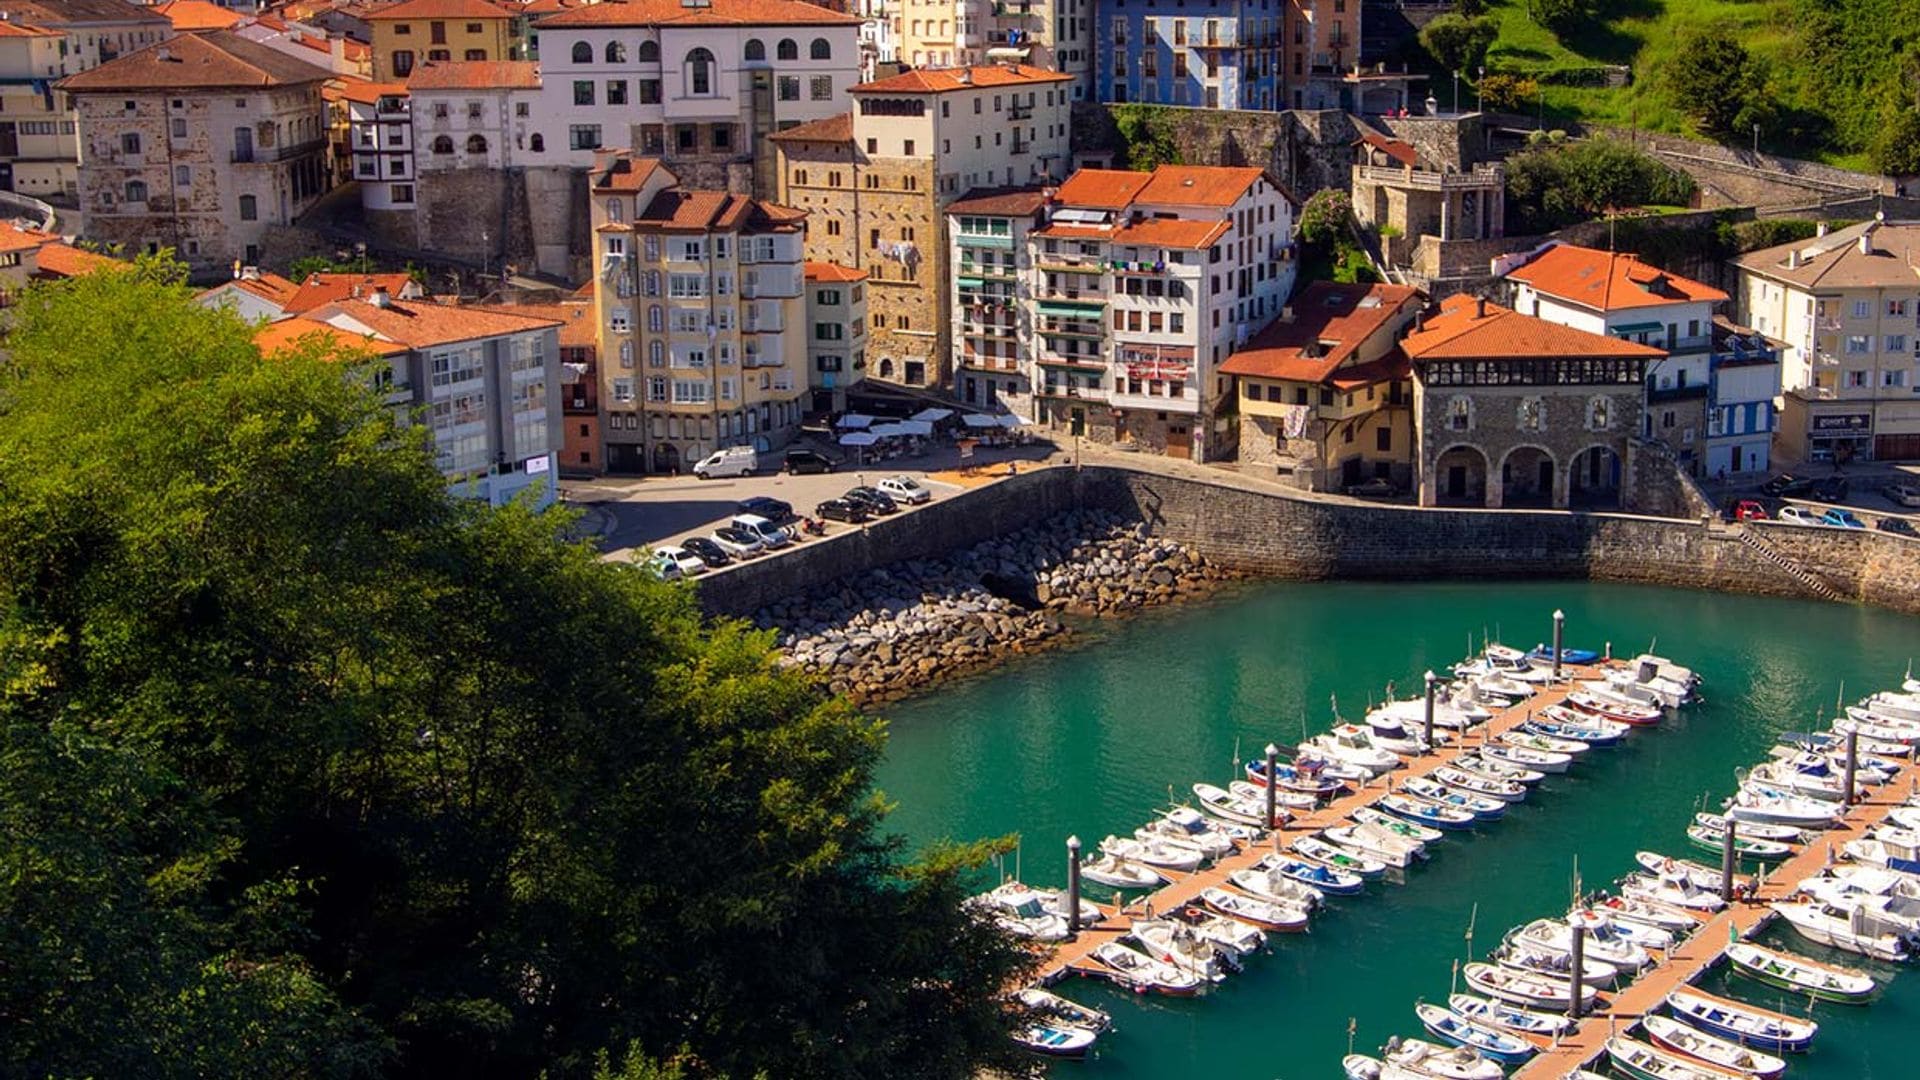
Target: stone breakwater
x,y
880,634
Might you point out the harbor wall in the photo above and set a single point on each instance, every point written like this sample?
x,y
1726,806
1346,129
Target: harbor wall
x,y
1275,534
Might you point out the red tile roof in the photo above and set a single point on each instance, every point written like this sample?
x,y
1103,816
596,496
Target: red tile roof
x,y
14,29
270,287
625,171
476,75
1104,189
1330,323
440,9
577,330
325,288
13,238
366,93
1172,233
717,13
946,80
836,129
422,324
1199,185
197,15
217,59
1470,329
62,260
277,338
680,208
1000,202
1402,152
1608,280
833,272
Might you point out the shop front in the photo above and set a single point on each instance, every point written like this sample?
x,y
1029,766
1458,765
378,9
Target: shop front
x,y
1896,431
1840,437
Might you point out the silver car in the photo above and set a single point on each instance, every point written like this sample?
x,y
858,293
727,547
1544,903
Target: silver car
x,y
905,489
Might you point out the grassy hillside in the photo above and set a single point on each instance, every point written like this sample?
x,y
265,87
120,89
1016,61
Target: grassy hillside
x,y
1836,69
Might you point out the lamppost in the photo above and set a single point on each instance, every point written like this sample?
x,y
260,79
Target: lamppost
x,y
1756,140
1456,93
1479,93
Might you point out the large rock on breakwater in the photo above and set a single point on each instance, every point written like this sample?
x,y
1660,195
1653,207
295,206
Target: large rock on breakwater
x,y
878,635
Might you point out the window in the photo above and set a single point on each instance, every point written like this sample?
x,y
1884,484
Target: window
x,y
650,92
616,52
623,390
537,143
475,110
1383,439
829,297
906,147
756,50
583,91
403,30
617,92
1862,309
1896,307
820,50
400,193
130,143
439,54
722,136
437,33
826,331
136,191
820,87
476,144
1896,343
686,137
700,72
656,318
649,52
1858,344
183,177
402,62
583,137
656,388
582,53
787,50
476,54
179,128
1893,378
249,208
789,87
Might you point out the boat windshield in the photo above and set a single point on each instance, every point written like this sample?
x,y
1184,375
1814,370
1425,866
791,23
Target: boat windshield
x,y
1028,909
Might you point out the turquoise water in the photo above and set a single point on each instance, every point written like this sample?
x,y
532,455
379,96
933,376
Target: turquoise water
x,y
1089,742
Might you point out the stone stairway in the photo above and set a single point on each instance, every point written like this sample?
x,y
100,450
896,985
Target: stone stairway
x,y
1793,569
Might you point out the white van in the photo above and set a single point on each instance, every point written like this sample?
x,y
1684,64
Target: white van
x,y
733,461
771,535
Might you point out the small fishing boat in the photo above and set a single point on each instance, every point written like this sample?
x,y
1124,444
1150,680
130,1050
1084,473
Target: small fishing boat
x,y
1510,662
1673,1036
1143,974
1502,686
1121,873
1785,834
1219,803
1666,669
1481,807
1208,842
1375,842
1049,1004
1367,815
1240,938
1700,875
1645,1062
1614,707
1311,782
1265,914
1477,763
1176,944
1543,654
1449,1026
1747,1025
1451,712
1159,853
1555,937
1677,891
1894,849
1055,1039
1021,912
1421,812
1603,925
1389,733
1877,880
1191,824
1868,915
1312,874
1546,744
1813,785
1778,808
1715,840
1261,882
1510,791
1318,849
1521,757
1831,764
1525,988
1842,927
1835,743
1879,728
1055,901
1644,679
1669,917
1249,792
1790,972
1353,745
1892,703
1493,1013
1361,1067
1564,723
1904,817
1559,965
1432,1061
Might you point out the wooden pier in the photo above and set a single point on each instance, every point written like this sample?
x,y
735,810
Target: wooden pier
x,y
1690,959
1076,956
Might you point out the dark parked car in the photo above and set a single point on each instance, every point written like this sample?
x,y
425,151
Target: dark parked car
x,y
1786,484
808,461
707,551
1830,489
842,510
1377,488
875,500
1898,526
768,507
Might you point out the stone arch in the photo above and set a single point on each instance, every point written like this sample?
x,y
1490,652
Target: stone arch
x,y
699,64
649,52
886,367
666,458
1596,477
582,52
1528,478
1459,477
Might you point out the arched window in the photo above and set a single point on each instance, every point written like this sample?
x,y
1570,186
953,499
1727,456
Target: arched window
x,y
626,354
787,50
700,72
756,49
656,354
649,52
476,144
136,191
537,143
443,144
656,319
582,53
616,52
820,50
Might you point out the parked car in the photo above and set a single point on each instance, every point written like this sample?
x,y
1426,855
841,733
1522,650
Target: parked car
x,y
1798,515
1897,526
1786,484
663,568
1377,488
768,507
875,500
1902,493
905,489
845,510
769,534
1837,518
707,552
685,561
1831,488
733,461
1748,510
738,542
808,461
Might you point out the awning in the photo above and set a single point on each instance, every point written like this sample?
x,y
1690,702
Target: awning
x,y
975,420
1012,421
887,431
1078,309
970,283
933,415
859,438
915,427
1638,328
854,420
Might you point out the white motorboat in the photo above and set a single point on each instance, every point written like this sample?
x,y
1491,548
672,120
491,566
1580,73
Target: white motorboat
x,y
1665,669
1603,925
1559,965
1282,918
1669,917
1647,678
1390,848
1237,937
1794,973
1049,1004
1055,901
1248,791
1493,1013
1022,912
1380,819
1877,881
1477,763
1514,664
1646,1062
1842,928
1481,807
1893,849
1443,1023
1867,769
1769,806
1219,803
1564,723
1352,745
1056,1039
1745,846
1826,788
1159,853
1871,913
1785,834
1426,1059
1511,791
1263,884
1522,757
1699,875
1406,740
1615,707
1177,944
1186,823
1142,973
1493,682
1904,817
1879,728
1315,876
1323,851
1555,937
1894,704
1546,744
1525,988
1748,1024
1121,873
1677,891
1449,714
1672,1035
1208,842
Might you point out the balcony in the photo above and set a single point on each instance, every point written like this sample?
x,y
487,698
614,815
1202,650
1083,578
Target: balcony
x,y
258,155
1020,112
985,362
1071,361
1087,329
1066,263
1057,390
997,331
1020,145
995,271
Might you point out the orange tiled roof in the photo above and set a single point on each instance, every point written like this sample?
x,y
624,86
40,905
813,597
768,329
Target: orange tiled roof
x,y
61,260
717,13
1198,185
1000,202
1172,233
13,238
946,80
14,29
679,208
422,324
213,60
440,9
366,92
476,75
197,15
325,288
268,286
1608,280
1106,189
577,328
277,338
625,171
1402,152
830,129
1330,323
1470,329
833,272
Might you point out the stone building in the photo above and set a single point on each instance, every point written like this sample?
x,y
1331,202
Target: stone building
x,y
1510,410
876,184
202,143
1325,394
1416,201
415,32
700,304
836,333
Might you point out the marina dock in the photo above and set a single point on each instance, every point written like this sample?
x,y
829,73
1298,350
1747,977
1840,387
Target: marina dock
x,y
1076,956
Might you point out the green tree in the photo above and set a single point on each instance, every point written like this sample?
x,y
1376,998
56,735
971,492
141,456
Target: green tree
x,y
1896,149
1508,93
1457,42
1560,16
429,768
1713,81
1326,216
1146,136
1555,184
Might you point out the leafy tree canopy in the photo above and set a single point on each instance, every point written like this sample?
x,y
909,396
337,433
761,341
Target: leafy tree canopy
x,y
1896,148
1714,82
1459,43
1556,184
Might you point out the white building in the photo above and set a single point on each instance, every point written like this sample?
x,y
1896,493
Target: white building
x,y
876,37
474,114
380,138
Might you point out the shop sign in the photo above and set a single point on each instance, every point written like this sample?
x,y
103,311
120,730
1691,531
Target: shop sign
x,y
1841,423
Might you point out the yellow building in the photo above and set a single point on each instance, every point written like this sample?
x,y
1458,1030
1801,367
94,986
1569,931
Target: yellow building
x,y
1325,395
415,32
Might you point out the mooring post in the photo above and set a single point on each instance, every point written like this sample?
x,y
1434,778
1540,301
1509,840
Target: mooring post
x,y
1073,886
1578,927
1273,782
1853,763
1433,683
1727,843
1559,637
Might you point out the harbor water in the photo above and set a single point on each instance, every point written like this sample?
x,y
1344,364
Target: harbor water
x,y
1094,740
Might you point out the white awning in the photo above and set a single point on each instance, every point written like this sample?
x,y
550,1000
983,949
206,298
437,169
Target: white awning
x,y
859,438
915,427
888,431
933,415
1012,421
975,420
853,420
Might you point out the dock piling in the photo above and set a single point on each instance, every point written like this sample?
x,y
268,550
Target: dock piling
x,y
1559,638
1579,928
1727,842
1853,764
1273,782
1433,682
1073,886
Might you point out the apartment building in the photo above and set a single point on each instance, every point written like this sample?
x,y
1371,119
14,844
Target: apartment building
x,y
877,41
700,303
415,32
1050,34
700,84
1323,55
203,144
41,42
473,114
993,280
1214,54
836,318
1846,305
876,184
380,144
581,452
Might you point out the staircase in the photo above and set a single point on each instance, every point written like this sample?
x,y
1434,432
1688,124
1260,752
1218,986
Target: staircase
x,y
1792,569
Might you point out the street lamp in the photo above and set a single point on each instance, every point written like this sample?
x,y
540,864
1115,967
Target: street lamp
x,y
1756,140
1456,93
1479,93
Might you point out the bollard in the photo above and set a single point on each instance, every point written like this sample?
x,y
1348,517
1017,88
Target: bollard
x,y
1853,764
1578,927
1433,682
1073,886
1559,634
1727,842
1273,782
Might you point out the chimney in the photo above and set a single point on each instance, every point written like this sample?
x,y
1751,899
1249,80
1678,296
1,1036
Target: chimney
x,y
249,273
1420,321
1793,259
163,53
380,299
1286,313
1479,307
1820,229
1866,243
965,75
